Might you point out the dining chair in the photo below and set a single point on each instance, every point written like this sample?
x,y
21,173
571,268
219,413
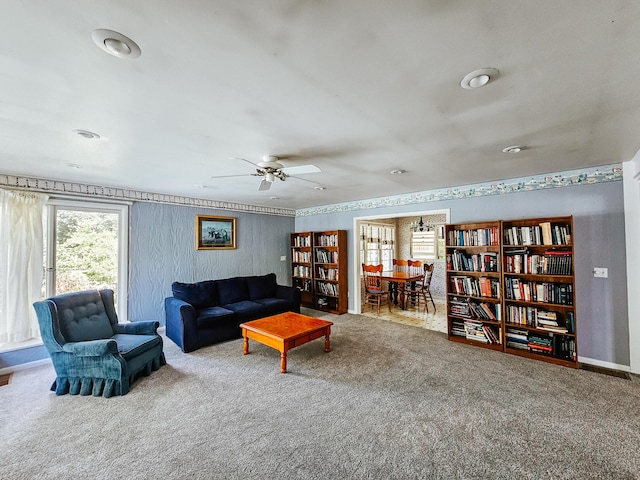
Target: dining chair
x,y
400,265
424,288
374,293
415,267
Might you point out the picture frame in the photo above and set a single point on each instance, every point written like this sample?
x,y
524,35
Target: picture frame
x,y
215,233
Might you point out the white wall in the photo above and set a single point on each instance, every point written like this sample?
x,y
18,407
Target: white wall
x,y
631,182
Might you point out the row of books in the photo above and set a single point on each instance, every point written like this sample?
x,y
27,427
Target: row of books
x,y
479,262
325,256
474,330
477,287
478,237
304,285
298,256
463,307
558,346
301,271
547,292
327,240
327,288
302,241
552,262
541,319
543,234
327,273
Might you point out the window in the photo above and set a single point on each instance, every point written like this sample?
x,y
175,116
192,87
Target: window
x,y
86,248
428,244
377,243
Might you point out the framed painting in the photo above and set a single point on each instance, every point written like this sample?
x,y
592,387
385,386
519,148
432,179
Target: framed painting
x,y
215,233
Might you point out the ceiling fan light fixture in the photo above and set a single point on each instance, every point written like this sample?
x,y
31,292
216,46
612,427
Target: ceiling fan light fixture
x,y
115,43
514,149
479,78
269,177
86,134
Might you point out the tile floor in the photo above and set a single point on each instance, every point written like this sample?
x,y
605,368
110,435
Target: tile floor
x,y
413,316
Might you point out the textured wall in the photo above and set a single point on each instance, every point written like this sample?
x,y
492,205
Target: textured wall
x,y
162,250
598,210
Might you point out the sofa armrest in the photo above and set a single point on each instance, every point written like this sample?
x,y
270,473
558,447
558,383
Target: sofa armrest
x,y
181,323
137,328
288,293
91,348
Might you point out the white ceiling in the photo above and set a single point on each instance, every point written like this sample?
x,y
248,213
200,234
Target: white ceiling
x,y
357,88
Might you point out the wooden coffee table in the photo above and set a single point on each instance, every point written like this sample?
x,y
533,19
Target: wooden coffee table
x,y
285,331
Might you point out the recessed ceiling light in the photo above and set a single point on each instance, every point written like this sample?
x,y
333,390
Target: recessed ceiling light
x,y
319,187
116,44
514,149
87,134
200,186
479,78
274,198
397,172
72,165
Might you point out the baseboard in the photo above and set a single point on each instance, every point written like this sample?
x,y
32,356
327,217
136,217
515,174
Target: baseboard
x,y
600,363
24,366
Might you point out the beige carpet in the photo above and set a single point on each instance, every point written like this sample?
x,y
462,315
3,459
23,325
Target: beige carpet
x,y
389,401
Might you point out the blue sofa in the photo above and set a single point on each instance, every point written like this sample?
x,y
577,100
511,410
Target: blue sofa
x,y
211,311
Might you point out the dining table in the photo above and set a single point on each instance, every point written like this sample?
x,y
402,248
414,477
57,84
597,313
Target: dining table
x,y
397,283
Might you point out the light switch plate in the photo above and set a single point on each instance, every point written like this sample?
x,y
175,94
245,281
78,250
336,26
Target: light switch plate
x,y
283,258
600,272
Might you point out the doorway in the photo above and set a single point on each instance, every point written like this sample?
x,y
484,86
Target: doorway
x,y
410,239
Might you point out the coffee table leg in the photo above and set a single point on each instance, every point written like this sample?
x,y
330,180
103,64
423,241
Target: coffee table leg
x,y
246,345
327,344
283,362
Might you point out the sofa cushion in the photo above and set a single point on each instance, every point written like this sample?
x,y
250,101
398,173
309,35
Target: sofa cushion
x,y
232,290
130,346
275,305
200,294
264,286
247,310
210,317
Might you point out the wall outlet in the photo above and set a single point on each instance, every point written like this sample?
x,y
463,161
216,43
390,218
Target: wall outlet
x,y
283,258
600,272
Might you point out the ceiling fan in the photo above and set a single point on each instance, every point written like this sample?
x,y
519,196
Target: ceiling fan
x,y
271,169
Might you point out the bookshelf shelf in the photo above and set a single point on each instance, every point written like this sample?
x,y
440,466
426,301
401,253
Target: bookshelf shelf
x,y
530,264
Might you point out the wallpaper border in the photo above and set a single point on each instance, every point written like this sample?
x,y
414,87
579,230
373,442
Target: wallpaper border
x,y
114,193
586,176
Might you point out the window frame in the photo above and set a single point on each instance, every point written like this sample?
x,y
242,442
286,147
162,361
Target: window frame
x,y
122,209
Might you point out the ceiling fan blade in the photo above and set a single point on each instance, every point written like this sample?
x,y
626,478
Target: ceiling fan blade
x,y
301,169
291,177
264,185
244,160
229,176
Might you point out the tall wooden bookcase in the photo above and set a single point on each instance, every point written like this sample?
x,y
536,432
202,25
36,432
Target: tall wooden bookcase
x,y
539,289
474,289
302,266
319,269
511,287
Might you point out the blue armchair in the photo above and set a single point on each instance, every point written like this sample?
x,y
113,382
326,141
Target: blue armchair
x,y
91,352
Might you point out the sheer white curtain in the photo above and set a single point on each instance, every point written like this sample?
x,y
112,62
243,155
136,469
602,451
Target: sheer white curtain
x,y
21,263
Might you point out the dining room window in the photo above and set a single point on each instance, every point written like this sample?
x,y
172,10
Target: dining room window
x,y
428,244
377,243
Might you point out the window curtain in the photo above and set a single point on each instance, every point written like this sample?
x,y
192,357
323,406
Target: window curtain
x,y
21,263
